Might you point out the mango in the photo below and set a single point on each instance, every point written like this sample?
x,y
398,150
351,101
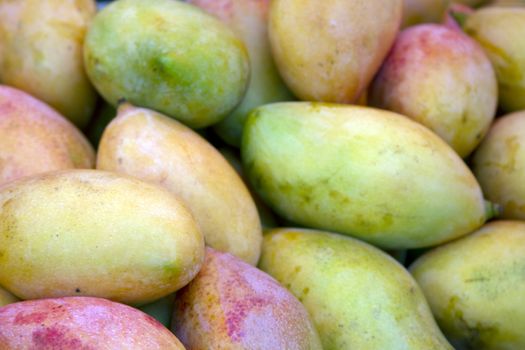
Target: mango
x,y
34,138
232,305
423,11
95,233
169,56
357,296
368,173
76,323
442,79
150,146
500,31
475,287
330,50
41,53
248,18
6,297
499,165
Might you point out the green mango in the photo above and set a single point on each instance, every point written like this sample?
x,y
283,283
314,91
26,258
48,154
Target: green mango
x,y
475,287
372,174
168,56
500,30
357,296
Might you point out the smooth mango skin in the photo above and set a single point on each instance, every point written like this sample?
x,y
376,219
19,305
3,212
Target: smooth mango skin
x,y
81,323
330,50
35,139
41,53
150,146
232,305
442,79
95,233
475,287
423,11
357,296
500,31
364,172
6,297
499,165
169,56
248,18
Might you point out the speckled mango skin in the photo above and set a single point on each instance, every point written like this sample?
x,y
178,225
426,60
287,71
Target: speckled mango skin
x,y
95,233
152,147
41,53
81,323
475,287
423,11
232,305
6,297
500,30
330,50
442,79
248,18
364,172
35,139
499,165
169,56
357,296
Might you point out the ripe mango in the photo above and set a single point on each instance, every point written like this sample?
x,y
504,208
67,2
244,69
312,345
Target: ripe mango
x,y
372,174
357,296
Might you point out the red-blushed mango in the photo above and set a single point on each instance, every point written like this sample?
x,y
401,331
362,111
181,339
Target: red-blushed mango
x,y
499,165
358,297
423,11
6,297
150,146
35,139
95,233
248,18
330,50
81,323
442,79
500,30
363,172
232,305
169,56
41,53
475,287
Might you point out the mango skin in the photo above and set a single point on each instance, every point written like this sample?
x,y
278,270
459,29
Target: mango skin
x,y
35,139
169,56
6,297
152,147
442,79
330,50
232,305
359,171
500,30
499,165
41,53
248,18
75,323
475,287
357,296
95,233
423,11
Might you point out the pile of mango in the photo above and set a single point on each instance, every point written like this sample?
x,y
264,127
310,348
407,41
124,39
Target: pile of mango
x,y
256,174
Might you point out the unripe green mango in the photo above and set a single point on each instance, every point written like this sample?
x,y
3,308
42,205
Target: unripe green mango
x,y
169,56
475,287
357,296
372,174
500,31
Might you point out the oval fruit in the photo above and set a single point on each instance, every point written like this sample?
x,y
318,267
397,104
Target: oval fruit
x,y
94,233
76,323
364,172
169,56
357,296
41,53
232,305
475,287
35,139
150,146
